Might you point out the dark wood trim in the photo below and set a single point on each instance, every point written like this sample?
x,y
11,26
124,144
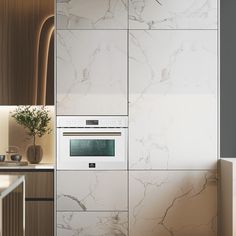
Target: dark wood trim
x,y
39,199
26,170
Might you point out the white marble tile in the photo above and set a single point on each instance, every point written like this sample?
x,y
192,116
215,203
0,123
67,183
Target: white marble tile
x,y
92,190
91,72
92,224
173,14
173,203
92,14
173,99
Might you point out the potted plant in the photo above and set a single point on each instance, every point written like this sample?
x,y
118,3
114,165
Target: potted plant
x,y
35,120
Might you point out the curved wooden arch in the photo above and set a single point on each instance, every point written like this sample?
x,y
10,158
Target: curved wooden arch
x,y
45,36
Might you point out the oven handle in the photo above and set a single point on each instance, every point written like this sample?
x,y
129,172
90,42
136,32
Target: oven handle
x,y
91,133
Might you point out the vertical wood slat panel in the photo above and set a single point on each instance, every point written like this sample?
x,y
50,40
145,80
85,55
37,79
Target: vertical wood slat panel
x,y
40,218
20,21
39,214
13,213
37,184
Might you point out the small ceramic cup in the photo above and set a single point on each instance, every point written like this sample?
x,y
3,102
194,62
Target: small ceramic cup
x,y
16,157
2,158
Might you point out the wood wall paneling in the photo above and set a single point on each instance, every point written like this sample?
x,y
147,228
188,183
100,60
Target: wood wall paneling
x,y
20,22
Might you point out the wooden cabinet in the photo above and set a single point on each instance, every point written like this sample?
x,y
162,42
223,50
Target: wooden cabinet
x,y
39,201
39,185
12,208
39,218
227,197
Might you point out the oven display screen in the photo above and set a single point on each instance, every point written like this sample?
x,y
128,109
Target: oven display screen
x,y
92,147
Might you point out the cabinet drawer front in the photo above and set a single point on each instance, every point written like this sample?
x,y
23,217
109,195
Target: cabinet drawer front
x,y
39,218
92,190
37,184
92,223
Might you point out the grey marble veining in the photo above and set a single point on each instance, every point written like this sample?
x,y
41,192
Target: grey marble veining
x,y
173,14
173,97
173,203
92,224
92,191
91,72
92,14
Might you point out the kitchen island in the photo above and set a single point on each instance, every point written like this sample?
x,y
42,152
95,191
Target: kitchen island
x,y
39,197
12,205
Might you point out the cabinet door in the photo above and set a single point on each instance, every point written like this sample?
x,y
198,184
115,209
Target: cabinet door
x,y
84,14
92,223
176,105
39,218
92,191
180,203
12,213
91,72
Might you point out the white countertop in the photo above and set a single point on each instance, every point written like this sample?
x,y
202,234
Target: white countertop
x,y
41,166
233,160
8,183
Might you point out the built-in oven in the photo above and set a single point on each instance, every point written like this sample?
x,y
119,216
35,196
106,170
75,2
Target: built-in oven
x,y
85,143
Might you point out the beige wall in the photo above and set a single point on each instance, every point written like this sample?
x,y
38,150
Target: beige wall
x,y
17,136
3,129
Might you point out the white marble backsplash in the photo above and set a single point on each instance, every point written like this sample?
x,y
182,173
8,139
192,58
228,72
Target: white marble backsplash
x,y
92,14
173,99
92,223
92,191
173,203
4,129
172,14
91,72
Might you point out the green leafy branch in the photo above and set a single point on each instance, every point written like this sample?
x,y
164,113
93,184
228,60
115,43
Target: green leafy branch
x,y
34,119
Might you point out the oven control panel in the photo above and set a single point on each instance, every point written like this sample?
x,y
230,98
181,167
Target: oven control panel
x,y
93,122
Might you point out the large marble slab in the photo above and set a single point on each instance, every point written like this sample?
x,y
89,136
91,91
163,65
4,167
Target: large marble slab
x,y
173,203
91,72
92,191
173,14
92,223
92,14
173,99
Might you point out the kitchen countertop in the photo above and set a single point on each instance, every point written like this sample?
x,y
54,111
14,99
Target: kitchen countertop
x,y
41,166
233,160
8,183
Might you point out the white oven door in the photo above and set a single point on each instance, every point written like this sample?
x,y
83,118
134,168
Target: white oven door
x,y
91,148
